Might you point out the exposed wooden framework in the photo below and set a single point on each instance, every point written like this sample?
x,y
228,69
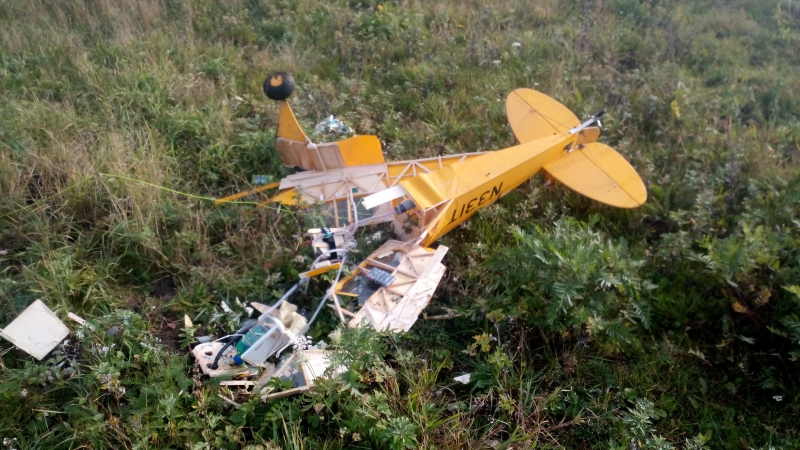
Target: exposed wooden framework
x,y
417,271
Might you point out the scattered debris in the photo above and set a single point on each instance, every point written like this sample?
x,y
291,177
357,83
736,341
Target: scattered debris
x,y
319,269
229,401
301,368
78,319
332,125
261,179
238,383
463,379
218,351
36,330
273,331
260,307
449,315
326,241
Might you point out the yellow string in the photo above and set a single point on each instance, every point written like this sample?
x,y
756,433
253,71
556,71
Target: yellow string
x,y
122,177
163,188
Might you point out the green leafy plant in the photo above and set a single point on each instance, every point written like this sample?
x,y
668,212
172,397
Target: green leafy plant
x,y
571,277
120,121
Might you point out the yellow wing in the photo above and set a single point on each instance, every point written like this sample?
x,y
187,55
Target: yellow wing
x,y
533,115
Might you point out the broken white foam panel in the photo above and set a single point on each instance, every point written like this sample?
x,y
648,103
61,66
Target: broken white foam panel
x,y
36,330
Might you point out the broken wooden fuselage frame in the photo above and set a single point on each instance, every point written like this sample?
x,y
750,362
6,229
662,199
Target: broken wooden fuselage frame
x,y
391,287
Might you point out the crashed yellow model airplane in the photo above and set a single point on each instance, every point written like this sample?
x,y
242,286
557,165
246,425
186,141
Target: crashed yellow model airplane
x,y
440,193
425,198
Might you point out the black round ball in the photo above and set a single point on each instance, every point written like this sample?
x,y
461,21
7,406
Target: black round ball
x,y
279,85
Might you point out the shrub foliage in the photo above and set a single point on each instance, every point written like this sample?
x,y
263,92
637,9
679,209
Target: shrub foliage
x,y
674,325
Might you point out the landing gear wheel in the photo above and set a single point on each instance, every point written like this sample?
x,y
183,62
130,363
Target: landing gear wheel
x,y
279,86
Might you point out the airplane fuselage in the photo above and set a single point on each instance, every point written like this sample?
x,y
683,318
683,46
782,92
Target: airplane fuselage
x,y
471,185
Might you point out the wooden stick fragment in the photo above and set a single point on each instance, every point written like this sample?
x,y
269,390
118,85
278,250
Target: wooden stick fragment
x,y
450,315
344,311
286,393
229,401
77,318
337,306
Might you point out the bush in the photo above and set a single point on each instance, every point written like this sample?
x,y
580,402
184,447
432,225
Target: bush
x,y
571,278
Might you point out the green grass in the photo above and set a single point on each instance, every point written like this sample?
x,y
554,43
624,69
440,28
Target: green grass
x,y
655,326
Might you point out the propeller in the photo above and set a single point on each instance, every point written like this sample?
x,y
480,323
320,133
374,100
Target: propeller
x,y
591,120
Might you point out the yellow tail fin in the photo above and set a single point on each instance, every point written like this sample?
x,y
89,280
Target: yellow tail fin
x,y
288,127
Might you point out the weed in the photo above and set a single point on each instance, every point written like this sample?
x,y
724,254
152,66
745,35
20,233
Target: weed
x,y
674,325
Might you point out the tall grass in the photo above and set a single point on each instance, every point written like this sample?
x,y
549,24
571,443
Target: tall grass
x,y
120,119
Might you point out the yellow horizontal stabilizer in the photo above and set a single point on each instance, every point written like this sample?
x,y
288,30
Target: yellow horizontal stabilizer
x,y
361,151
533,115
600,173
